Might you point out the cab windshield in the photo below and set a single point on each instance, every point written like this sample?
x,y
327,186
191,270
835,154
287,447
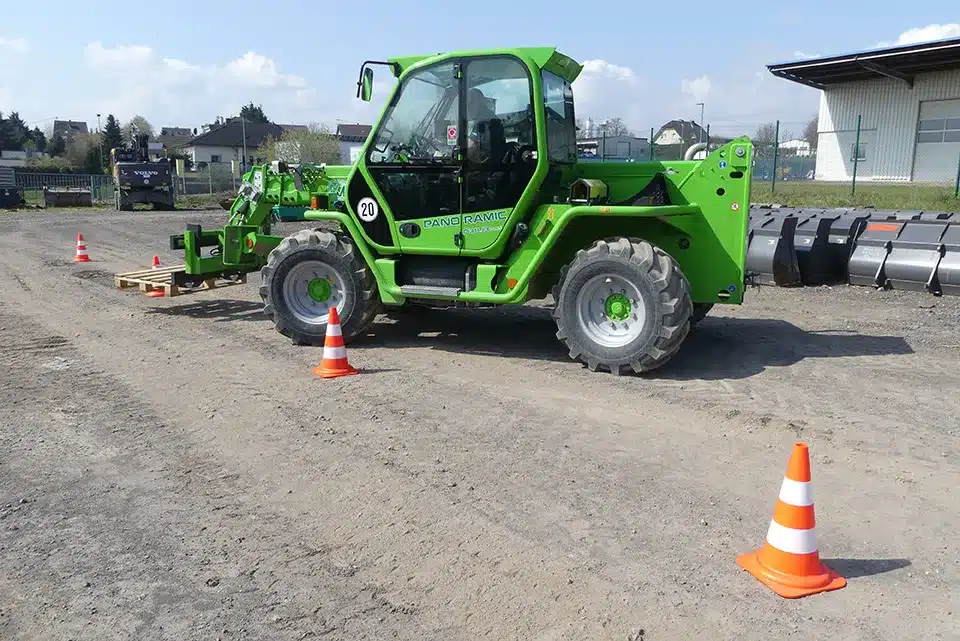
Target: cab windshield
x,y
420,125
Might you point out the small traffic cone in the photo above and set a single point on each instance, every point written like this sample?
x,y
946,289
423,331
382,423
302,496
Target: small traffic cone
x,y
155,293
789,562
82,256
334,362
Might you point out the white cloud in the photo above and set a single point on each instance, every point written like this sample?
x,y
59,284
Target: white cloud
x,y
699,87
924,34
16,45
170,91
607,90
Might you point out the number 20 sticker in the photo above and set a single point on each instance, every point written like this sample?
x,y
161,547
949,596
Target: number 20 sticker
x,y
368,210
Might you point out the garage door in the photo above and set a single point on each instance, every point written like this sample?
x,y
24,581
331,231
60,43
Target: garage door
x,y
938,141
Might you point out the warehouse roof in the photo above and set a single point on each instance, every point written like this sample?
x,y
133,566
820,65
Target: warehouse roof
x,y
902,62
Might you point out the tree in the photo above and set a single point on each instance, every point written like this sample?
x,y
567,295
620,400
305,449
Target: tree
x,y
253,113
13,132
111,137
810,133
615,127
83,153
39,139
176,154
764,139
142,126
58,146
315,145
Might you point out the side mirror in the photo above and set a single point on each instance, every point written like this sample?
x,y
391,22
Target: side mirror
x,y
366,85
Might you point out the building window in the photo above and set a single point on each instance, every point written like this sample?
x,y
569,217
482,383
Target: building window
x,y
215,158
858,153
939,130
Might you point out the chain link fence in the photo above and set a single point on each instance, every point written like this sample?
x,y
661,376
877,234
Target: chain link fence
x,y
209,178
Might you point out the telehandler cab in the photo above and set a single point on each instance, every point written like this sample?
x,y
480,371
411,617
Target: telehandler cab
x,y
468,192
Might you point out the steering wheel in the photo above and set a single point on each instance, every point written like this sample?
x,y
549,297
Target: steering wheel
x,y
520,151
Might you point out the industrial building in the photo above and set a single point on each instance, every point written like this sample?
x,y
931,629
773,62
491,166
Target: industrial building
x,y
907,99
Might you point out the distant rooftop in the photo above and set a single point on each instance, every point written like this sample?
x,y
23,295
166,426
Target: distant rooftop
x,y
903,63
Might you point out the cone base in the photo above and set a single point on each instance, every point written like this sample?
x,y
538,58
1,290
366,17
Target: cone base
x,y
790,586
155,293
326,372
82,259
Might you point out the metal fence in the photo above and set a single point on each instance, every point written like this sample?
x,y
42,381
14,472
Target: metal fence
x,y
212,178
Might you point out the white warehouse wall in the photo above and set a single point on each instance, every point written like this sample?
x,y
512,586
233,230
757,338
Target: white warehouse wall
x,y
890,111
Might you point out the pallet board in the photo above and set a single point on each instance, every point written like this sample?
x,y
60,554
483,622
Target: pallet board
x,y
162,279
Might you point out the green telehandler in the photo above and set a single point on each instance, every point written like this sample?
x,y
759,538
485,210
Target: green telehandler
x,y
469,193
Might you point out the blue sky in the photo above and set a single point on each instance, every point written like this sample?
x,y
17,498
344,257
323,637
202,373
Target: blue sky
x,y
184,63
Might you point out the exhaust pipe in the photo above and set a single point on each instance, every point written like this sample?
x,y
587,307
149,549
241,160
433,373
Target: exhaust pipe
x,y
693,150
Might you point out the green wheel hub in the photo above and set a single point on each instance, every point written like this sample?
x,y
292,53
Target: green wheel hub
x,y
319,290
617,307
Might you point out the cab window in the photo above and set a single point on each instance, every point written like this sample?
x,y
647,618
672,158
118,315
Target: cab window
x,y
561,122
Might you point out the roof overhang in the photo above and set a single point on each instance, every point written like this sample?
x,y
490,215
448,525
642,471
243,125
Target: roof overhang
x,y
902,63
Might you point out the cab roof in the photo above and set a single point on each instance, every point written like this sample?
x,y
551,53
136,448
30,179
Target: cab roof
x,y
547,58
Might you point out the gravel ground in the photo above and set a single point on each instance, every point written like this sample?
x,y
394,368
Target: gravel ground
x,y
170,468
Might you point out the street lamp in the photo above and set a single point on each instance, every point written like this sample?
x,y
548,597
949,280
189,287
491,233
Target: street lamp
x,y
99,141
700,133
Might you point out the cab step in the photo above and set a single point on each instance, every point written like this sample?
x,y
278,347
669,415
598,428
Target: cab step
x,y
428,290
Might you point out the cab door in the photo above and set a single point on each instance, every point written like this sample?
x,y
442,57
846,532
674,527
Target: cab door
x,y
414,161
500,137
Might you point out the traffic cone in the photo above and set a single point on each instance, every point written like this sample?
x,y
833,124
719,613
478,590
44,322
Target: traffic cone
x,y
334,362
155,293
789,562
82,256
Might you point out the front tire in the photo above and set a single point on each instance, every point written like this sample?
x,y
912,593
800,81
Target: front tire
x,y
306,275
622,304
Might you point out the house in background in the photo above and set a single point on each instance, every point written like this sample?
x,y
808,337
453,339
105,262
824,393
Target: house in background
x,y
680,132
351,137
67,128
906,100
225,142
173,138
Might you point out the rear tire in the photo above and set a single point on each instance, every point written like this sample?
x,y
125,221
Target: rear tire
x,y
307,274
622,304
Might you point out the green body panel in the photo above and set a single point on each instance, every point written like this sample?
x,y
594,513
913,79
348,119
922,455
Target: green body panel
x,y
703,226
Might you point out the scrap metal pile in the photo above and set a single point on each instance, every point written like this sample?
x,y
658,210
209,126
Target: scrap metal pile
x,y
882,248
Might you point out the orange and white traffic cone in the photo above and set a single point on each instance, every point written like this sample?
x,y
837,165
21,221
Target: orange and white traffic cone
x,y
82,256
334,362
155,293
789,561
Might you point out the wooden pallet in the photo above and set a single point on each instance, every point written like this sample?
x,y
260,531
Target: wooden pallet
x,y
162,279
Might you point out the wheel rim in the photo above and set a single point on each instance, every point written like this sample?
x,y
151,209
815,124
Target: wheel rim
x,y
610,310
311,289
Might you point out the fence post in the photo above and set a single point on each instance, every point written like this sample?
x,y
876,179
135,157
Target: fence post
x,y
706,151
603,149
956,188
856,159
776,149
651,144
210,177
